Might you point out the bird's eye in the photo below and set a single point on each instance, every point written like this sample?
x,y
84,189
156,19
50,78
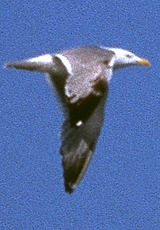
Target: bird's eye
x,y
128,55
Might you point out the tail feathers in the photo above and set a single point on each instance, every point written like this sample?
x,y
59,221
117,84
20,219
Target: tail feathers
x,y
25,65
42,63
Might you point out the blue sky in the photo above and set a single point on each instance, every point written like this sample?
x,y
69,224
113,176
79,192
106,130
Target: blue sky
x,y
120,189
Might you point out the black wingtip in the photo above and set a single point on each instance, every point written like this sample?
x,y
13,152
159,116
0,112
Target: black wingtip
x,y
68,188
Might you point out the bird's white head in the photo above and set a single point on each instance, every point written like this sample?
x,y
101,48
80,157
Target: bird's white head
x,y
125,58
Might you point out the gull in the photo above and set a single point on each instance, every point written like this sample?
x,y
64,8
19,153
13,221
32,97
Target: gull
x,y
80,78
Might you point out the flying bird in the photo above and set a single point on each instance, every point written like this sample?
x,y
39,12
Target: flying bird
x,y
80,78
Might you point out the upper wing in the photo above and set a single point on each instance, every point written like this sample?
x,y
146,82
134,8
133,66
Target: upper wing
x,y
86,97
78,144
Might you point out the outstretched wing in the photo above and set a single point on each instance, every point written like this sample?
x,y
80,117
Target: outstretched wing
x,y
78,144
86,96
